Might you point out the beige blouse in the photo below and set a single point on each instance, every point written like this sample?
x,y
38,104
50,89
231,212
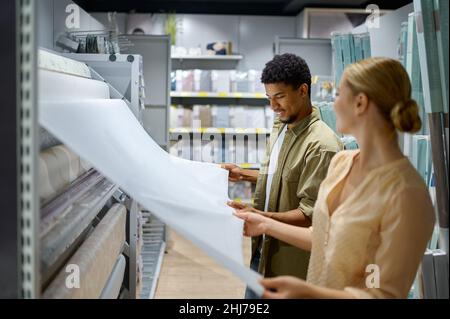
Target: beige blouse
x,y
386,222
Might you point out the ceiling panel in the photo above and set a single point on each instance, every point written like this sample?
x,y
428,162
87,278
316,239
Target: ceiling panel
x,y
239,7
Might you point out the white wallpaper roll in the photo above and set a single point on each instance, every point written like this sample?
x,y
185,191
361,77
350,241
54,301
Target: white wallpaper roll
x,y
54,62
188,196
59,86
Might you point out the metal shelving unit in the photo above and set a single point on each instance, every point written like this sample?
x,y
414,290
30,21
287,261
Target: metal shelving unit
x,y
153,248
227,136
31,252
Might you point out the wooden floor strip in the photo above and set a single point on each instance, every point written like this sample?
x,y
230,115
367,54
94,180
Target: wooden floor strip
x,y
188,273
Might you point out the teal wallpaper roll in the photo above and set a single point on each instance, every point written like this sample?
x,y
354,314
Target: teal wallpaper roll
x,y
442,8
347,49
413,68
421,156
429,55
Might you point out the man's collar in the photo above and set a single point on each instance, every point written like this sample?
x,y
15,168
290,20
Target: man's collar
x,y
305,122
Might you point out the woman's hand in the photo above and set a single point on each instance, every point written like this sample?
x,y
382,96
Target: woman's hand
x,y
237,205
286,287
244,208
255,224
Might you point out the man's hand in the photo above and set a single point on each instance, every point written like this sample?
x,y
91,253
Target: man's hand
x,y
286,287
255,224
235,172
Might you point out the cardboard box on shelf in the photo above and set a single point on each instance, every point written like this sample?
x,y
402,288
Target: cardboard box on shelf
x,y
220,81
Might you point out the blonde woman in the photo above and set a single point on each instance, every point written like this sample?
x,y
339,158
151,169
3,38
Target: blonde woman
x,y
373,216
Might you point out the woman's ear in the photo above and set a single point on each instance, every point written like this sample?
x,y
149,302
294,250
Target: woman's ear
x,y
362,103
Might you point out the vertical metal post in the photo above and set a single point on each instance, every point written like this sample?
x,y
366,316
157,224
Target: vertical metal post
x,y
9,225
28,149
133,256
440,158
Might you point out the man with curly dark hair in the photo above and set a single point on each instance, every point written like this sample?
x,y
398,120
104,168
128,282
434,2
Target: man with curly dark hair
x,y
298,155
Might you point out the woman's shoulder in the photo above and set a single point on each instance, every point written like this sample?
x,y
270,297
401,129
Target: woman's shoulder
x,y
343,157
340,161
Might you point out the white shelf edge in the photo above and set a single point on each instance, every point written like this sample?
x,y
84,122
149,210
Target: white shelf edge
x,y
208,57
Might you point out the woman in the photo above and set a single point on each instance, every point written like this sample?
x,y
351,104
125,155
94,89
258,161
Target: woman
x,y
373,216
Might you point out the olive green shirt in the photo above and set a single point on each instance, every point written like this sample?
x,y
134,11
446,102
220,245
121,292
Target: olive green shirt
x,y
303,162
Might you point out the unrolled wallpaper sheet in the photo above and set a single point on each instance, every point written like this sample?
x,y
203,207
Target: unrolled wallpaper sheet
x,y
188,196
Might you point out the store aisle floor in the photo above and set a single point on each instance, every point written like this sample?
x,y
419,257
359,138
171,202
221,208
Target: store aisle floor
x,y
187,272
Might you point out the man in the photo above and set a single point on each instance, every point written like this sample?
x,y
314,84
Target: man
x,y
297,158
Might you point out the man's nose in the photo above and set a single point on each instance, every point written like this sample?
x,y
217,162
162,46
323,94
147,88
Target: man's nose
x,y
273,104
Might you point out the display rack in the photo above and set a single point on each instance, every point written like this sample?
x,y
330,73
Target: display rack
x,y
155,52
124,74
47,234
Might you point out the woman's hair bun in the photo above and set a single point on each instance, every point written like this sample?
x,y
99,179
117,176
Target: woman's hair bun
x,y
405,116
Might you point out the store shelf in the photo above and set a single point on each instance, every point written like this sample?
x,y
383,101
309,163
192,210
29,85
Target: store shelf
x,y
250,165
219,98
205,62
223,95
215,130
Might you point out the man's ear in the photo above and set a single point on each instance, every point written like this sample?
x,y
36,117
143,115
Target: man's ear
x,y
303,89
362,103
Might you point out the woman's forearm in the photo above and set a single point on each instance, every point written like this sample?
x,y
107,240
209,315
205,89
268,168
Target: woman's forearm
x,y
297,236
293,217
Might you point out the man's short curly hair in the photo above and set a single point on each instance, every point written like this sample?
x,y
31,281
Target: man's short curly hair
x,y
289,69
